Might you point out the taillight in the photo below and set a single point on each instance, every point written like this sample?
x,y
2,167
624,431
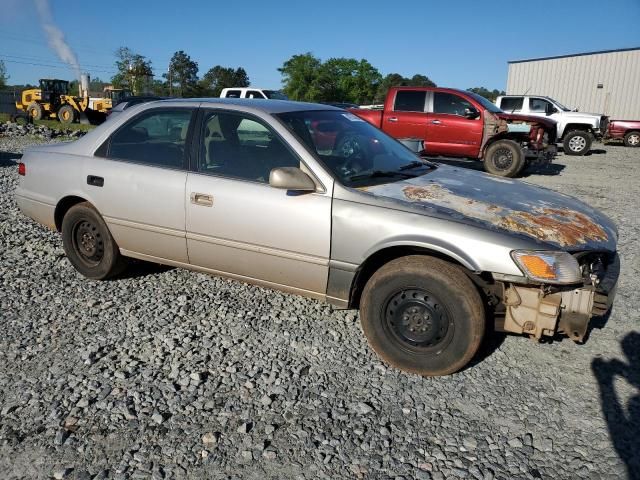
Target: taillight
x,y
22,170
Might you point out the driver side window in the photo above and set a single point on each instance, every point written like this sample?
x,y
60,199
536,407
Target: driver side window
x,y
538,105
451,104
239,146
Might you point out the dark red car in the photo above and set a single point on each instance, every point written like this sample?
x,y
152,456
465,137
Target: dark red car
x,y
626,130
459,123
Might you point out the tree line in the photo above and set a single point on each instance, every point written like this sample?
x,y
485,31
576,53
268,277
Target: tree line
x,y
305,77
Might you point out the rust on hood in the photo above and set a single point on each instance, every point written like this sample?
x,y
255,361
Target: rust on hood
x,y
565,227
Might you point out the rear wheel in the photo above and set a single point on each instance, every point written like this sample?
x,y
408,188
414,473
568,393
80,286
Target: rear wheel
x,y
632,139
66,114
88,244
422,315
504,158
577,142
35,111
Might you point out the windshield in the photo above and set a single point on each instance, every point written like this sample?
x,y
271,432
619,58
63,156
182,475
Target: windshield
x,y
275,95
485,103
357,153
560,105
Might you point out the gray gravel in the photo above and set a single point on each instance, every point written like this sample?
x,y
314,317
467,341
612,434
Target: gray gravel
x,y
174,374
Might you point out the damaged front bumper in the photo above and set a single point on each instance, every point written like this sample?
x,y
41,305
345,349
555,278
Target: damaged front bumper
x,y
538,311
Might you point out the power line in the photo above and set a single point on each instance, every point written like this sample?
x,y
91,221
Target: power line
x,y
24,57
55,66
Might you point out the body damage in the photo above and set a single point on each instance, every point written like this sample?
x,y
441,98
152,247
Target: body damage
x,y
506,205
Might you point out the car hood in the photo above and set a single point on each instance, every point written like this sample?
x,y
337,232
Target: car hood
x,y
573,116
515,207
548,122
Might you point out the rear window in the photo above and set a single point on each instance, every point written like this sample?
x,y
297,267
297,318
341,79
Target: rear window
x,y
511,103
410,101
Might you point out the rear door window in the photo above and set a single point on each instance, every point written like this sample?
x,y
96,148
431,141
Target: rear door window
x,y
512,104
155,138
410,101
233,94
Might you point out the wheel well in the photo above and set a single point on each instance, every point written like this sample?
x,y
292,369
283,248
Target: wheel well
x,y
575,126
631,130
380,258
63,207
514,137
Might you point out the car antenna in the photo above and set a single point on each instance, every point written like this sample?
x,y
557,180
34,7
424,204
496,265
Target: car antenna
x,y
527,91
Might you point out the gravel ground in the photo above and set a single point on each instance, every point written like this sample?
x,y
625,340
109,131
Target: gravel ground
x,y
173,374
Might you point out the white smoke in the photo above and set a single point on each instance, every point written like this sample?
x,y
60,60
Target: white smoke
x,y
55,37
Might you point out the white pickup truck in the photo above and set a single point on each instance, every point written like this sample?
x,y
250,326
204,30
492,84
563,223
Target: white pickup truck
x,y
576,130
251,92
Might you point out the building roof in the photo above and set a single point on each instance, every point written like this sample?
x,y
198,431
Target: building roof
x,y
574,55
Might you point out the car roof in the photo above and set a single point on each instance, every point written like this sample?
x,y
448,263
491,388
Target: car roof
x,y
259,104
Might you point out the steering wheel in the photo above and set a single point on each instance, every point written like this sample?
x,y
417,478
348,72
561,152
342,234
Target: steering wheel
x,y
354,150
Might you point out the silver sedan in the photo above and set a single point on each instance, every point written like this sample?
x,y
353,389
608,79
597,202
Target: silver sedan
x,y
312,200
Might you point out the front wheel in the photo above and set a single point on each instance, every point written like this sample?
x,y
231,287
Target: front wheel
x,y
504,158
89,245
422,315
577,142
66,114
632,139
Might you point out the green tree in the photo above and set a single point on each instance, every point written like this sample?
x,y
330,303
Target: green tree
x,y
3,75
220,77
397,80
490,95
134,71
305,77
182,76
301,77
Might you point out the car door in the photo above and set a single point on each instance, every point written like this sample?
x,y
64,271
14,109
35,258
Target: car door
x,y
449,131
408,118
239,225
137,183
539,107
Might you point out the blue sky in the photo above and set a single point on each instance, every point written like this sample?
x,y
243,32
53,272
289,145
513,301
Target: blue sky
x,y
456,43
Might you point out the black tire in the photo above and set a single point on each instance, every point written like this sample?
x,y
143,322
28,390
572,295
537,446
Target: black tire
x,y
632,139
577,142
436,328
89,245
504,158
66,114
34,110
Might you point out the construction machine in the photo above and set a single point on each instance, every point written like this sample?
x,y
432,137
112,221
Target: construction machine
x,y
52,100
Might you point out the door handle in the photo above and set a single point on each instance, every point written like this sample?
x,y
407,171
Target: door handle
x,y
202,199
95,181
436,122
392,119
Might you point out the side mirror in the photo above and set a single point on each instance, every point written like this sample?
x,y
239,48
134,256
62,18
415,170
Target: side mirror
x,y
291,178
471,113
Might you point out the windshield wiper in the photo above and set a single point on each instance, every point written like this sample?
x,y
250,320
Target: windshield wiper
x,y
415,164
380,174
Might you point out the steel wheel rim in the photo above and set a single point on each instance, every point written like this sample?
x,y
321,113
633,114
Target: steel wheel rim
x,y
634,139
577,144
417,321
503,158
88,242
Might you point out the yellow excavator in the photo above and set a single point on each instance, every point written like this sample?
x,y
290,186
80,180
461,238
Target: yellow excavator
x,y
52,100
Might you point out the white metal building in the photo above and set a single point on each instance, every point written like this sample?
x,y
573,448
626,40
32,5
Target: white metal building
x,y
598,82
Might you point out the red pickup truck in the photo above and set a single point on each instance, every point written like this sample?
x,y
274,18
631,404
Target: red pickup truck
x,y
457,123
626,130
